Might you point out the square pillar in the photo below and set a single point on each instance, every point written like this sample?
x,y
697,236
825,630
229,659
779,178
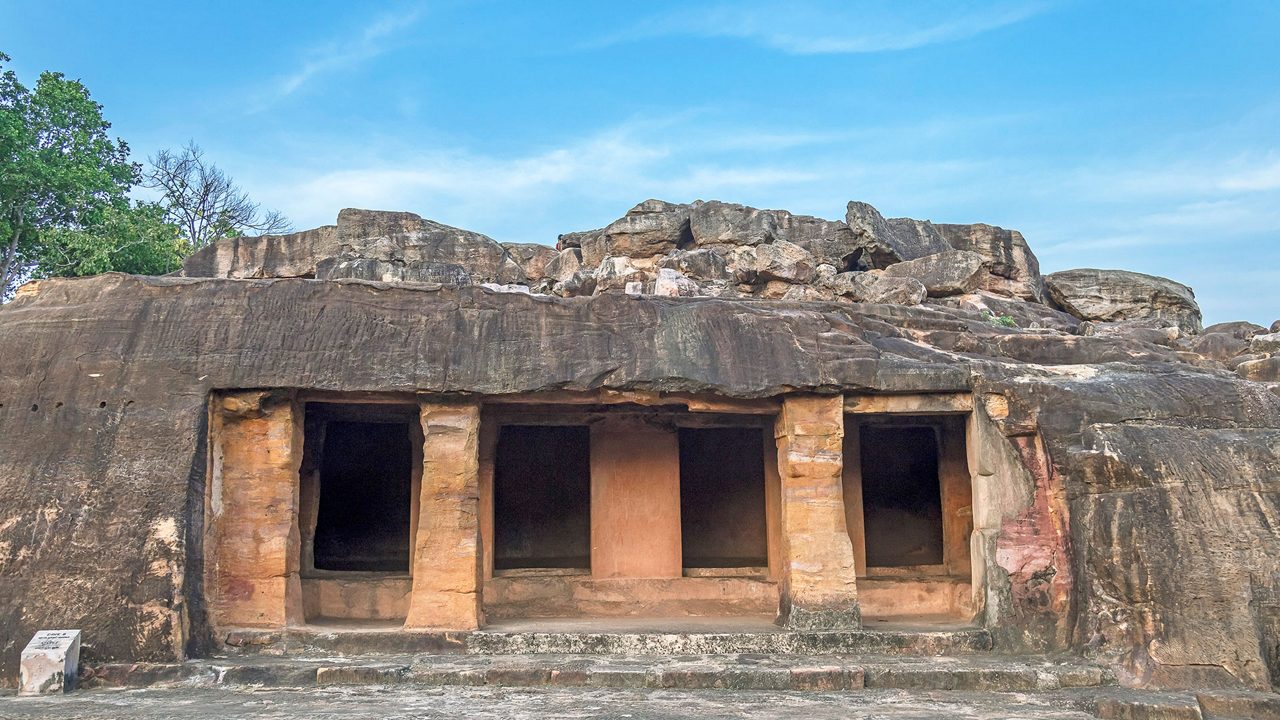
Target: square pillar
x,y
446,548
252,539
819,578
635,501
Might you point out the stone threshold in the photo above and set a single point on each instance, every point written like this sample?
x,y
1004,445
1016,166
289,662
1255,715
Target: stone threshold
x,y
698,672
305,641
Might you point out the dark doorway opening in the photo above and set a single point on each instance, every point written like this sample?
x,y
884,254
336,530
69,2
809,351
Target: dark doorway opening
x,y
722,512
542,497
365,495
901,496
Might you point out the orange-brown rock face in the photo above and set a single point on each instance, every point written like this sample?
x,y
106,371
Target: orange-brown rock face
x,y
635,502
446,553
1169,470
1034,549
253,539
819,578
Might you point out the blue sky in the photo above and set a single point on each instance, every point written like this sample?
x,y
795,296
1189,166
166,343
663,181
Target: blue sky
x,y
1136,135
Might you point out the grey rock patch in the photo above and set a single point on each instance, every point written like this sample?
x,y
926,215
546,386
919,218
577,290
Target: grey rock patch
x,y
951,272
1114,295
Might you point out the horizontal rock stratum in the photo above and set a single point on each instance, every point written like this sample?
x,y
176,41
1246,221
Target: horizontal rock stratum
x,y
1125,462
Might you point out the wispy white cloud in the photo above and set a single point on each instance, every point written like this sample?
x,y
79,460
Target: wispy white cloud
x,y
816,28
1237,213
1262,177
1204,173
506,195
329,56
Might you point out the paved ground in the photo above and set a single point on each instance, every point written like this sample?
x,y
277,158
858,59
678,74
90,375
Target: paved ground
x,y
485,703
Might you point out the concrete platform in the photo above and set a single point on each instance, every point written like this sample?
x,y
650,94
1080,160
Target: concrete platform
x,y
493,703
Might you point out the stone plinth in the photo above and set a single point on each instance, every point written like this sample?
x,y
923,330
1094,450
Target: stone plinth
x,y
50,663
446,546
818,574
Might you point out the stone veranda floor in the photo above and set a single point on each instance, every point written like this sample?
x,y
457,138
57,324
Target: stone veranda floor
x,y
368,702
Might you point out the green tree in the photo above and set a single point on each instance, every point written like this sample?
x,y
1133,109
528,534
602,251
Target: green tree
x,y
58,167
133,240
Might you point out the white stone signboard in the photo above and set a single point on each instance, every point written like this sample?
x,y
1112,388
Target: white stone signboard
x,y
50,662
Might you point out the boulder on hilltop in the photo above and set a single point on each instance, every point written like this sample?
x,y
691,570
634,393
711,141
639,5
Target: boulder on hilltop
x,y
719,249
1116,295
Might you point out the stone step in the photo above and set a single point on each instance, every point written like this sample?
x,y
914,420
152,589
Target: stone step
x,y
1218,704
311,642
730,672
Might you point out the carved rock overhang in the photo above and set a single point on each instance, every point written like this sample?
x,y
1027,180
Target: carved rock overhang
x,y
353,335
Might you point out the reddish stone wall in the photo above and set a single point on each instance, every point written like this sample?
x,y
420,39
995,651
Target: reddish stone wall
x,y
1034,549
635,501
1171,469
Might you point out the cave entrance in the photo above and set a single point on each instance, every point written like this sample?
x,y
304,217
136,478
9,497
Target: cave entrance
x,y
901,496
358,499
722,498
363,518
618,509
909,510
542,497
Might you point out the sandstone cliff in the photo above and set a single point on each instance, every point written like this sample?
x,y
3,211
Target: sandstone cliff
x,y
1156,463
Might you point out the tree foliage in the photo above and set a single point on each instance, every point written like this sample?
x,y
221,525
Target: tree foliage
x,y
204,202
58,166
64,208
134,240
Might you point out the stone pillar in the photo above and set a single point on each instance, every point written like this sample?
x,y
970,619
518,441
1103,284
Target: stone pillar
x,y
446,551
253,537
819,578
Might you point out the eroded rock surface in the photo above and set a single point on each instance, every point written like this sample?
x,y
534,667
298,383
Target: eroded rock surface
x,y
1168,471
1114,295
1150,452
879,243
728,250
365,245
294,255
1014,269
950,272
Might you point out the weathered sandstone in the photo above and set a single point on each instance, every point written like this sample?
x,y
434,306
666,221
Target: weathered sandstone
x,y
294,255
1114,295
879,243
1266,343
1014,269
950,272
875,286
1237,329
1124,479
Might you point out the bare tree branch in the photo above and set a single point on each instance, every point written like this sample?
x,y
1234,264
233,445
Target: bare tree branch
x,y
204,202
